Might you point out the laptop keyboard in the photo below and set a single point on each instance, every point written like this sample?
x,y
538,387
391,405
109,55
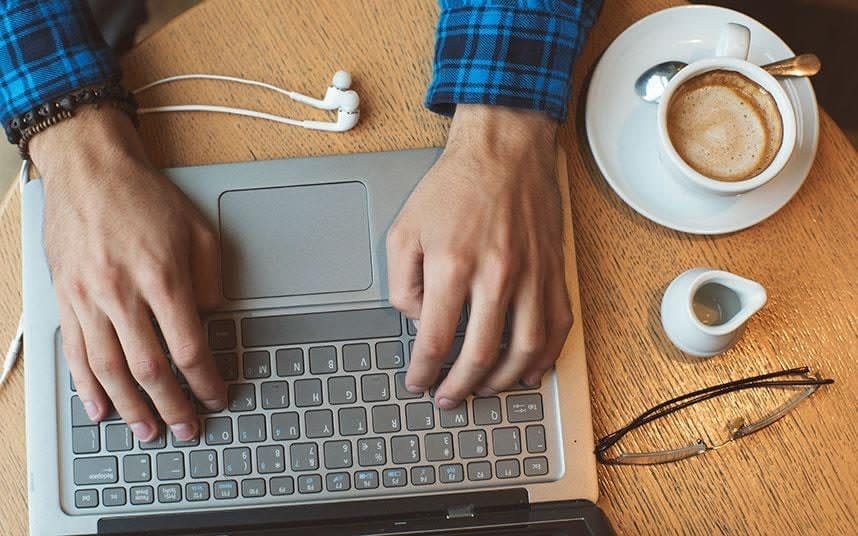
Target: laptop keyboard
x,y
317,409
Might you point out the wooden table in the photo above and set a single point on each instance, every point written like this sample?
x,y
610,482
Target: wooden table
x,y
799,476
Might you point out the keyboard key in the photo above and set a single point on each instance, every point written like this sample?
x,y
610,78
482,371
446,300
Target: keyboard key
x,y
389,355
442,375
402,392
472,444
282,485
405,449
338,481
219,431
171,465
270,459
422,475
169,493
341,390
356,357
451,472
253,487
286,330
420,416
338,454
290,362
197,491
371,452
142,495
113,497
319,423
274,395
352,421
366,479
487,411
101,470
536,466
178,443
242,397
304,456
257,365
439,447
309,484
85,439
159,442
251,428
394,478
385,419
203,463
535,437
454,418
308,393
221,334
225,489
375,387
285,426
479,471
86,498
227,366
136,468
118,437
506,441
323,360
236,461
524,408
507,469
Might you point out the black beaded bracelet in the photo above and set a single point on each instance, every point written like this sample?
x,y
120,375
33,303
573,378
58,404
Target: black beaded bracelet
x,y
21,129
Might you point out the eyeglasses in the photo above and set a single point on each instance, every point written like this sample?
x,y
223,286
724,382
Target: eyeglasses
x,y
736,429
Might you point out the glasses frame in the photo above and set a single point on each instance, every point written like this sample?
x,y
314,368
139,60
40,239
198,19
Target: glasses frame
x,y
737,429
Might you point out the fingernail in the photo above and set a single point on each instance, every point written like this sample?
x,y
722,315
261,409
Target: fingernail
x,y
215,405
91,410
415,388
534,379
446,403
486,391
183,431
141,430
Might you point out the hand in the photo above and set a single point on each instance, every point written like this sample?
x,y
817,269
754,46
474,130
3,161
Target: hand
x,y
123,244
484,226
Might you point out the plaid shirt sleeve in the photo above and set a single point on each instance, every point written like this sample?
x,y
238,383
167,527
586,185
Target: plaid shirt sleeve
x,y
517,53
48,48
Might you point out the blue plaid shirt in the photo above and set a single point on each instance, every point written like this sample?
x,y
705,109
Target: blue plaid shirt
x,y
515,53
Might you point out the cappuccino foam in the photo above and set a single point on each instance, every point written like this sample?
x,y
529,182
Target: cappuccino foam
x,y
724,125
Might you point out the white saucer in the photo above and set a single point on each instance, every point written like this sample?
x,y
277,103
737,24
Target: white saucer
x,y
621,128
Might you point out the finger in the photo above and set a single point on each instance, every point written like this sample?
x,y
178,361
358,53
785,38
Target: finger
x,y
108,364
528,336
150,368
446,289
558,323
481,346
176,312
205,266
92,396
404,272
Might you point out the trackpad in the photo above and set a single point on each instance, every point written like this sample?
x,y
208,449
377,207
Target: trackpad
x,y
295,240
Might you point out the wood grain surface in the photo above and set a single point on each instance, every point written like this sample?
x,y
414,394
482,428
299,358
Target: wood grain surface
x,y
799,476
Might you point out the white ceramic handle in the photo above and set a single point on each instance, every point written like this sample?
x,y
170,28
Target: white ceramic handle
x,y
735,41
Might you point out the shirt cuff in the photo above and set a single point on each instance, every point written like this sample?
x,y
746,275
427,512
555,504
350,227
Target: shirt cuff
x,y
517,54
48,48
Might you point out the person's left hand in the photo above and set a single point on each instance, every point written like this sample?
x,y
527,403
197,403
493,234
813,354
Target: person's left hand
x,y
484,226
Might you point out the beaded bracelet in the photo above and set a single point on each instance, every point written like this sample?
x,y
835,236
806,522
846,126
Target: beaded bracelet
x,y
21,129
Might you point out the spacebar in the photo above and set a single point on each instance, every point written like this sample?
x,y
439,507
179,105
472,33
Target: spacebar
x,y
320,327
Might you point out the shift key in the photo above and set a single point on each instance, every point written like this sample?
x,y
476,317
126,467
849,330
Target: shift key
x,y
101,470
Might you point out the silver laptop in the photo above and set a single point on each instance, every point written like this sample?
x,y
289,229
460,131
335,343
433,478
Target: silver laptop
x,y
320,431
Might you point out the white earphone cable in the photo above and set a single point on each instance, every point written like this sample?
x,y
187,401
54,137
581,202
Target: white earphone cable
x,y
198,76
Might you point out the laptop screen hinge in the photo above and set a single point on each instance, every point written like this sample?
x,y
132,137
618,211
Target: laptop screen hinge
x,y
461,512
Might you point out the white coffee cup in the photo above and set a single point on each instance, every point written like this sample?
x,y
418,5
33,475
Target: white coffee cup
x,y
730,55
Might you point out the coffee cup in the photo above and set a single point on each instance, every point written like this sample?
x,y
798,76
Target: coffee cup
x,y
725,125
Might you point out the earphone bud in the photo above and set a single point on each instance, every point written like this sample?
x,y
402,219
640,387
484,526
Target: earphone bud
x,y
337,97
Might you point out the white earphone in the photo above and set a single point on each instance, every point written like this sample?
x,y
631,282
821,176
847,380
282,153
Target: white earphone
x,y
337,97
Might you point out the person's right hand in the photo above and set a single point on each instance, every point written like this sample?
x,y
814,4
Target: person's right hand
x,y
126,247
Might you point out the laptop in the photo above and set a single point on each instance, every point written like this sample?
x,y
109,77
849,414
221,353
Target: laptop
x,y
320,433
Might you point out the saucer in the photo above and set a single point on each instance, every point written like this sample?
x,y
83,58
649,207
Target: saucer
x,y
621,128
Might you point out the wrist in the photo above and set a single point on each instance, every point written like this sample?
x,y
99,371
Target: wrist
x,y
503,131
